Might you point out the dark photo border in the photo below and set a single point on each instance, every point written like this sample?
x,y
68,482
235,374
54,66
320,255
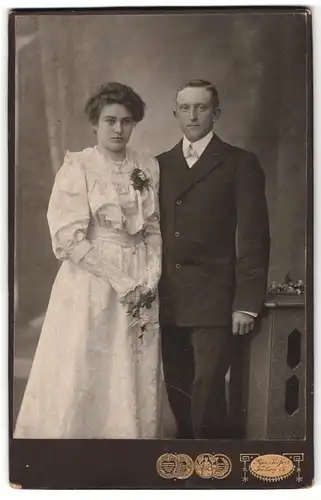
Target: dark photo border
x,y
121,464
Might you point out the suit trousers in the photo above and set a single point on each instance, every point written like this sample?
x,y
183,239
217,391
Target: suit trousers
x,y
195,362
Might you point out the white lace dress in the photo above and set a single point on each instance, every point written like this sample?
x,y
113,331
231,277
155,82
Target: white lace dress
x,y
94,375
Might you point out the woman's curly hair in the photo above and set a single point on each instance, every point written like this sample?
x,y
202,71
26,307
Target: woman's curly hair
x,y
114,93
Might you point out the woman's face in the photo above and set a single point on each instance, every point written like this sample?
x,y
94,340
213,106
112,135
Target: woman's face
x,y
114,127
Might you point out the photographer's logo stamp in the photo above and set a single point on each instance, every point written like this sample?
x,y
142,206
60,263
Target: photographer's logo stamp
x,y
181,466
167,466
272,467
185,466
223,466
175,466
209,466
204,465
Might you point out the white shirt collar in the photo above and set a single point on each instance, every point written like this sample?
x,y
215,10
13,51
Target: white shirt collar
x,y
199,145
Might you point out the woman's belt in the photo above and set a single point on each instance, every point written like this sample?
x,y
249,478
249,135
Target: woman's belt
x,y
121,238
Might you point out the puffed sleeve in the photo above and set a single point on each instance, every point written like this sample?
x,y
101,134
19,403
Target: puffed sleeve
x,y
68,211
153,235
68,218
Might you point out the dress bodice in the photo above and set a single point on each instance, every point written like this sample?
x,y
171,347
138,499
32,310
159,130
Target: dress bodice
x,y
91,192
111,194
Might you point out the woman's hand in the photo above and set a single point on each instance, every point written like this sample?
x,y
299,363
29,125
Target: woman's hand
x,y
141,295
132,298
147,296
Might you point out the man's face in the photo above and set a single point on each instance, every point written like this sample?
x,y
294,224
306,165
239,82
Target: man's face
x,y
194,110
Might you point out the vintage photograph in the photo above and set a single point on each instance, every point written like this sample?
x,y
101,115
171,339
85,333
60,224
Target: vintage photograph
x,y
161,172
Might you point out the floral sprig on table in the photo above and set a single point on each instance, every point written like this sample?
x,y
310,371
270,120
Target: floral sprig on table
x,y
140,181
138,315
287,287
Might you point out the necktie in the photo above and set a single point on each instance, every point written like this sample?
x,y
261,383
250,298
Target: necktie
x,y
191,152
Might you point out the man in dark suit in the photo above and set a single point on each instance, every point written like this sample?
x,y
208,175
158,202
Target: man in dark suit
x,y
211,195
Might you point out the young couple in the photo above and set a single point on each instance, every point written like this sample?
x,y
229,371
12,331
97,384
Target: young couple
x,y
153,286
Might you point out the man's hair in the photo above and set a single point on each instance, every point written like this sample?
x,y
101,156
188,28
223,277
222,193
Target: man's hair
x,y
198,83
114,93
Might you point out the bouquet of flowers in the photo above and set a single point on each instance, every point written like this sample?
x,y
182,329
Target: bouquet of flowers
x,y
137,313
287,287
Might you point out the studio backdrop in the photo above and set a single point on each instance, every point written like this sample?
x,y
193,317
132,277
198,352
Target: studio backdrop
x,y
257,62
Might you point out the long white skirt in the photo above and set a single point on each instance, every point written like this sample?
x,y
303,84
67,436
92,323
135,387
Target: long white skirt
x,y
92,376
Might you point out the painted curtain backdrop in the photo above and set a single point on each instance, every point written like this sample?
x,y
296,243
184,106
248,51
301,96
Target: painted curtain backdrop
x,y
257,62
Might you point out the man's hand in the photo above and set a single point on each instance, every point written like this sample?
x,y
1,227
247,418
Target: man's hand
x,y
242,323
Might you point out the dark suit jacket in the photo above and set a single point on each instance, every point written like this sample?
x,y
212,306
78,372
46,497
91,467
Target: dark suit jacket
x,y
204,278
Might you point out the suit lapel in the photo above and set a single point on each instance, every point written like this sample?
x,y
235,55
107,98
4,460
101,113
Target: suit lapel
x,y
175,172
187,177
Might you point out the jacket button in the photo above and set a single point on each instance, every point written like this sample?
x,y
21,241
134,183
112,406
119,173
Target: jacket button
x,y
178,266
178,202
177,234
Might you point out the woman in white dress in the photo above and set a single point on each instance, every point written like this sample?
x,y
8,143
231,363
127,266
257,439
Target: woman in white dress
x,y
96,372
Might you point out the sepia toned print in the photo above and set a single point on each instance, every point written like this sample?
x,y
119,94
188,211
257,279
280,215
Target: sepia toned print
x,y
161,283
106,231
